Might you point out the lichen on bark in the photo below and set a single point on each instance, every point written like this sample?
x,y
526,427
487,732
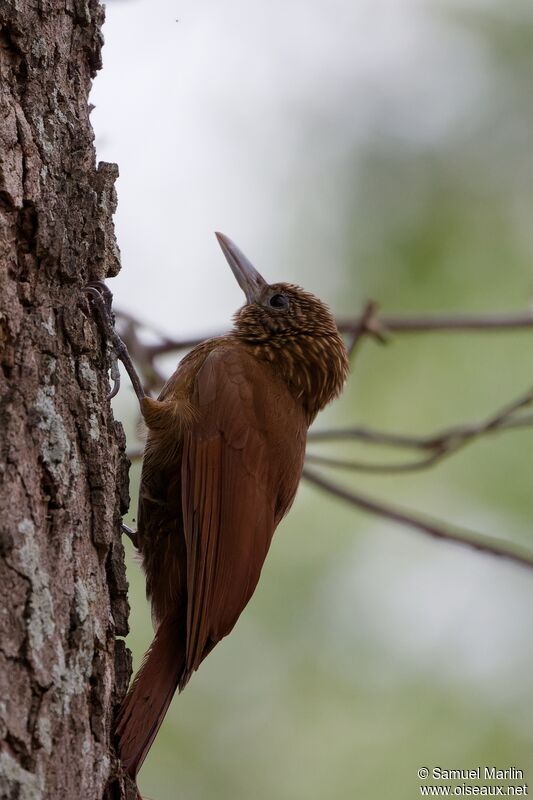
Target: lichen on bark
x,y
63,472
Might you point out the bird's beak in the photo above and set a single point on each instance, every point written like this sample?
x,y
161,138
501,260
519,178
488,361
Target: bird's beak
x,y
248,278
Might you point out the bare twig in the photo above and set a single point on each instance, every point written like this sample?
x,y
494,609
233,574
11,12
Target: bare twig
x,y
426,323
400,440
495,547
440,445
375,324
366,324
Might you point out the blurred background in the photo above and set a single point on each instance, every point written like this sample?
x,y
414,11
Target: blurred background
x,y
363,149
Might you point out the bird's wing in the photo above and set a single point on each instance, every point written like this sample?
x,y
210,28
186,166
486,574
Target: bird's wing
x,y
241,464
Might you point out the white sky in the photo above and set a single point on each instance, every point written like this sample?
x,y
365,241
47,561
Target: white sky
x,y
236,118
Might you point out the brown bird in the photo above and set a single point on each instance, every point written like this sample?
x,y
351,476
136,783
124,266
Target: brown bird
x,y
221,467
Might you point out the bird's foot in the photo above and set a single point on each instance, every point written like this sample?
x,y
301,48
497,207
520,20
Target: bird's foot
x,y
102,299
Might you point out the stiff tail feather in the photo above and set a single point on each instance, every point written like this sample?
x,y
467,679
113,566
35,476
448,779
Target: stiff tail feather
x,y
149,696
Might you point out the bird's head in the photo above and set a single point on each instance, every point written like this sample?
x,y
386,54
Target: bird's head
x,y
290,328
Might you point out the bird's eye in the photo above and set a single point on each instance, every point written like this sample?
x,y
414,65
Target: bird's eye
x,y
279,301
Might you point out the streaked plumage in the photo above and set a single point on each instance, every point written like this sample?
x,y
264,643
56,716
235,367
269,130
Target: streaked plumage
x,y
221,468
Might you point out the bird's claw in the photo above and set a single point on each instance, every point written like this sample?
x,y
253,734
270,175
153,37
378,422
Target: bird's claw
x,y
102,298
115,376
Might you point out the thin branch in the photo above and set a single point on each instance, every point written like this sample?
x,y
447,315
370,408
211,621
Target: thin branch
x,y
379,468
374,324
404,441
364,325
130,325
494,547
425,323
440,445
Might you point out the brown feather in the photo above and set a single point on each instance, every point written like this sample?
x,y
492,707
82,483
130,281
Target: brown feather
x,y
222,463
149,696
234,489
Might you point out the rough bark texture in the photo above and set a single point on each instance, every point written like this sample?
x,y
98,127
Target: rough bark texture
x,y
63,475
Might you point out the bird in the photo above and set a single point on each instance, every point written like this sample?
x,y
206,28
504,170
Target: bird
x,y
222,462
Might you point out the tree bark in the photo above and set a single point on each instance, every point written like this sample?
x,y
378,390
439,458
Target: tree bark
x,y
63,472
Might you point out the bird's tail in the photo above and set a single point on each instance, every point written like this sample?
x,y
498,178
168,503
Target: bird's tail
x,y
149,696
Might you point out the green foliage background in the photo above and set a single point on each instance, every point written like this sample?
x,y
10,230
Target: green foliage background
x,y
368,651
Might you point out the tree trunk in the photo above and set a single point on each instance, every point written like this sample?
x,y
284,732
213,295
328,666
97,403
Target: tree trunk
x,y
63,473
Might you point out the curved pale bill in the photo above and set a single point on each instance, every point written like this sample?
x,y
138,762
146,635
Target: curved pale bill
x,y
248,278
